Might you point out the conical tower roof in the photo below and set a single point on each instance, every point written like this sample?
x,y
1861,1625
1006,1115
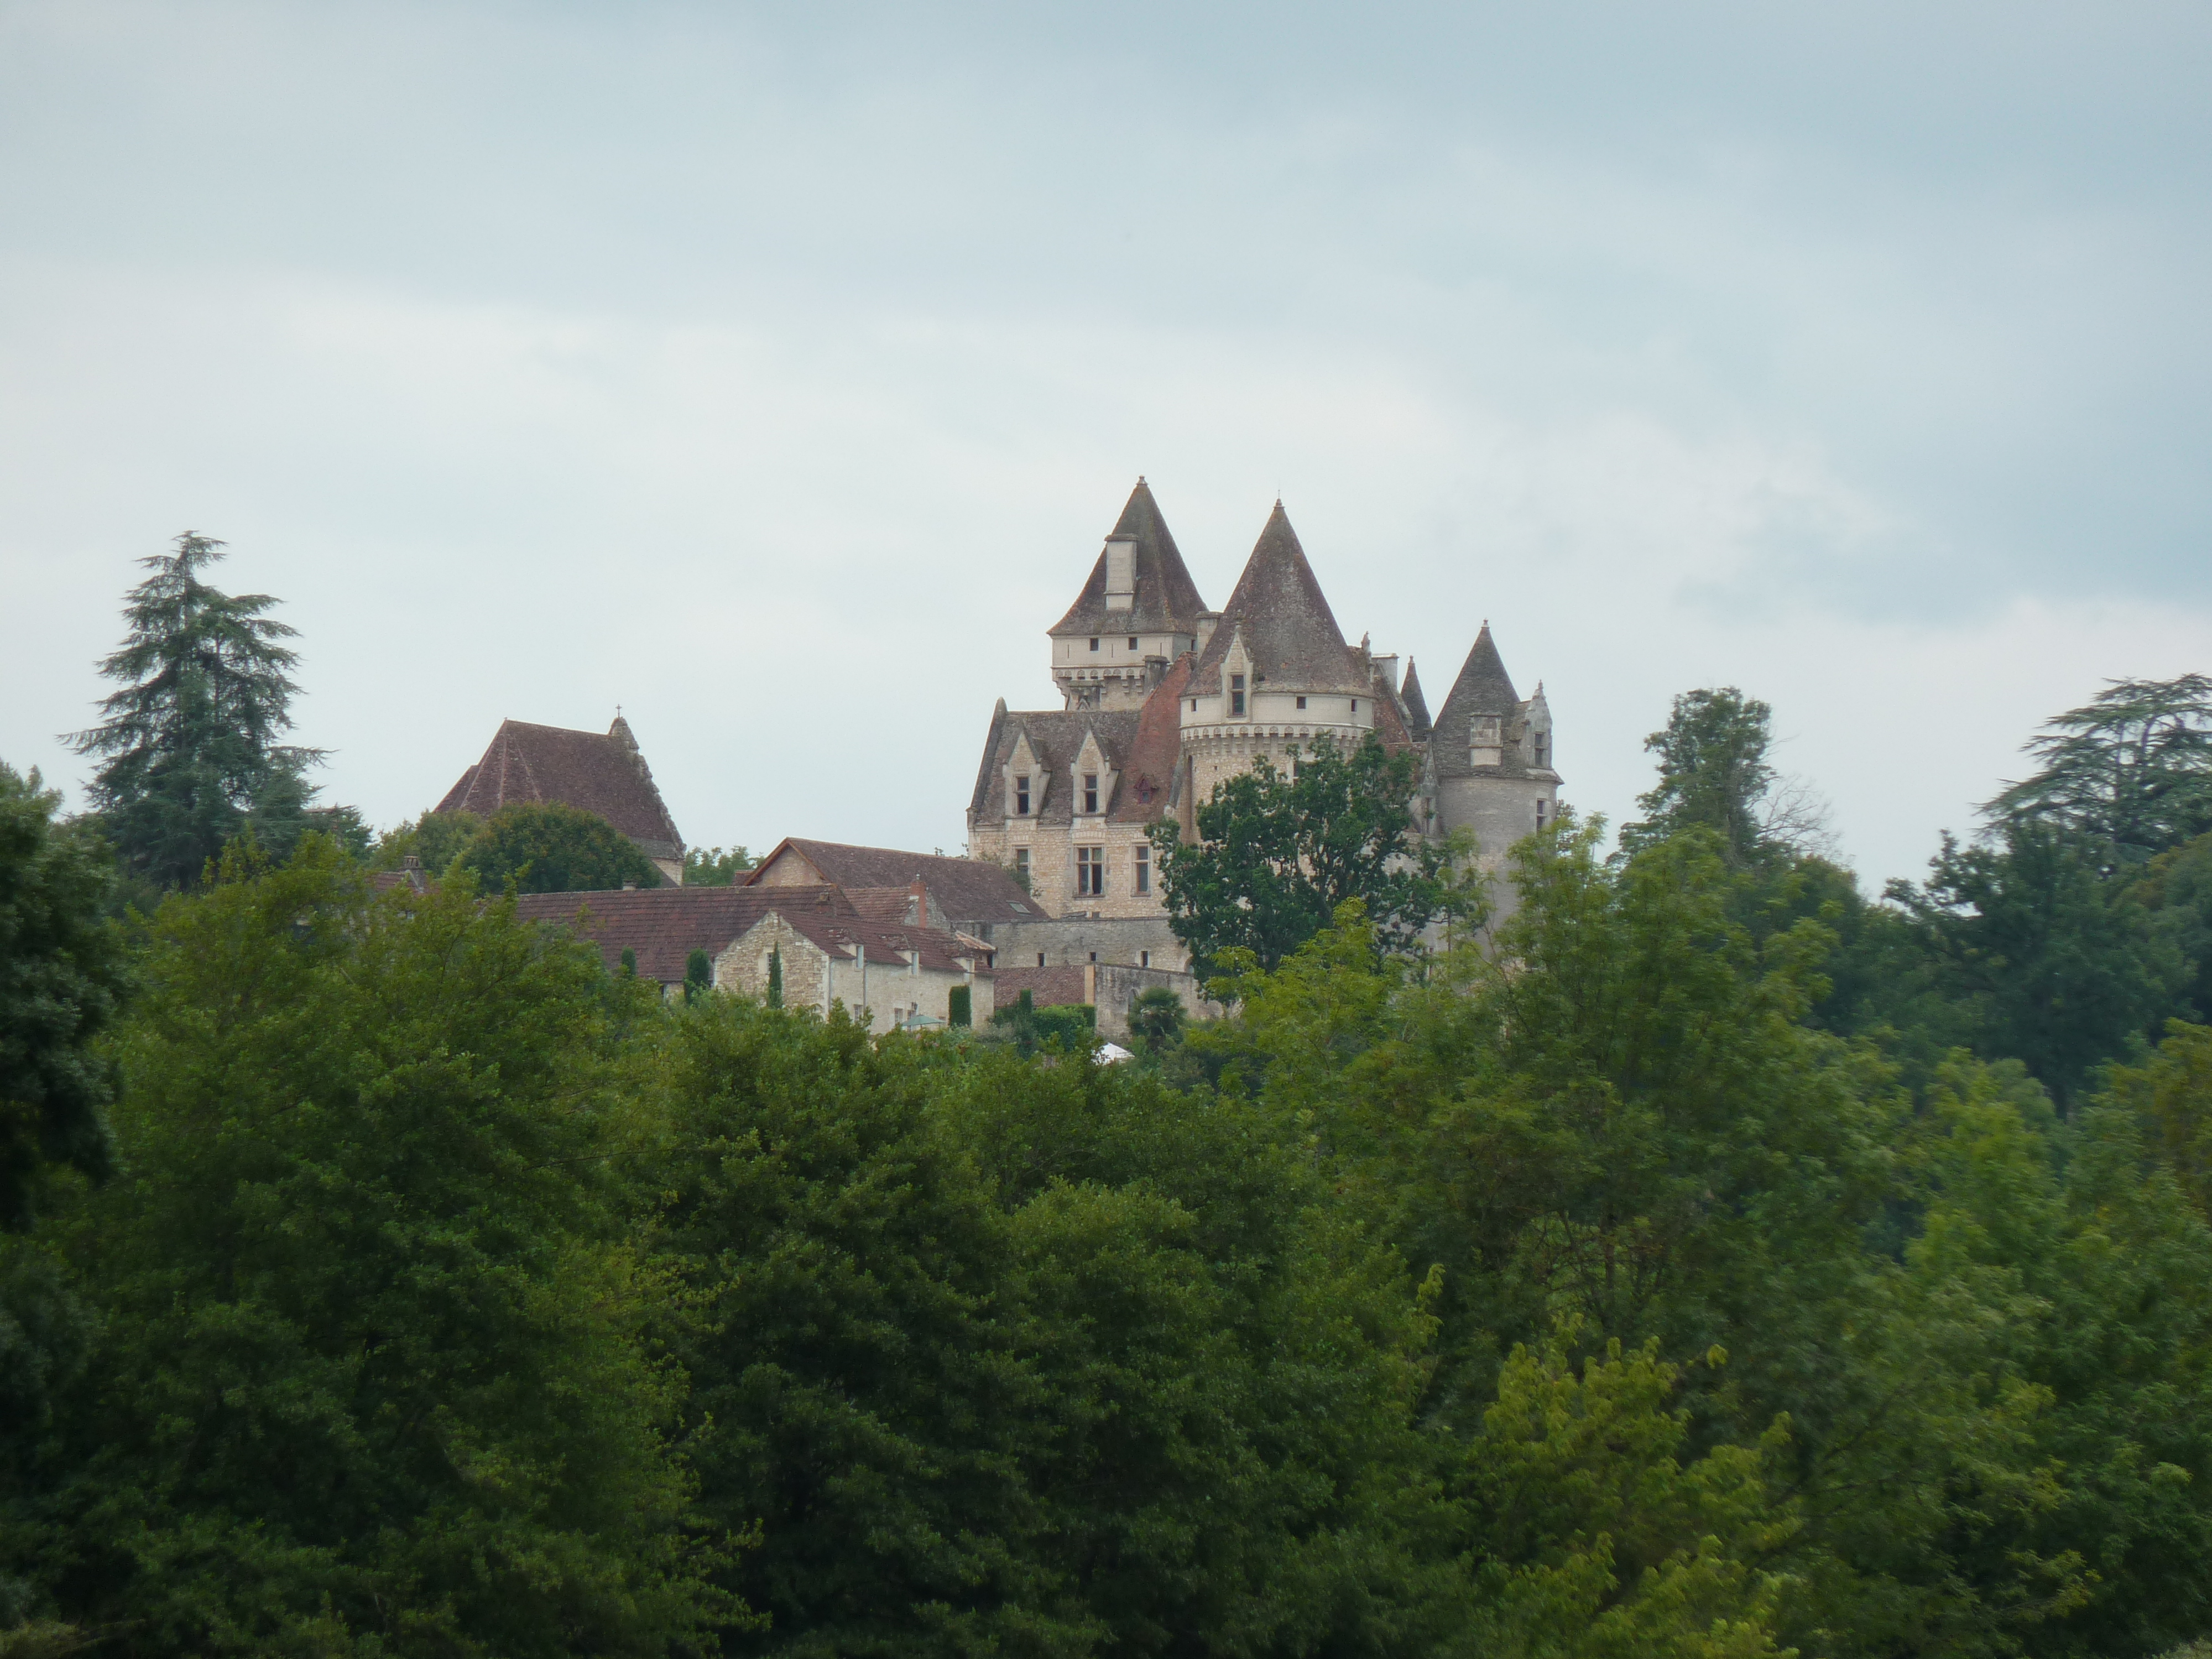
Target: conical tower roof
x,y
1278,612
1167,599
1483,688
1417,706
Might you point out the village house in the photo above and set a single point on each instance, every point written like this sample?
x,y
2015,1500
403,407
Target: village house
x,y
602,773
884,969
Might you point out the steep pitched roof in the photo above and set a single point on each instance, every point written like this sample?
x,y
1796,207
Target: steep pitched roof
x,y
1056,738
965,890
597,772
1167,599
1149,768
1416,706
1285,622
1483,688
1389,716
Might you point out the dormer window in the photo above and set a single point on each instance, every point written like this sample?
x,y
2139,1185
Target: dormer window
x,y
1235,694
1543,741
1089,791
1022,797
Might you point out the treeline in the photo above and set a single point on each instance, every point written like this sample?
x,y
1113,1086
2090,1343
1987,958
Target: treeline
x,y
1704,1258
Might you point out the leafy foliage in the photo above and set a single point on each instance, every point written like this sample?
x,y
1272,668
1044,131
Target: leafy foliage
x,y
1714,772
190,747
435,840
62,978
368,1378
555,849
1278,852
712,866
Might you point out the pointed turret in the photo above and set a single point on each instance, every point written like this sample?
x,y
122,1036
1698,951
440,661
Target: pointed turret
x,y
1136,614
1284,623
1144,590
1417,707
1476,730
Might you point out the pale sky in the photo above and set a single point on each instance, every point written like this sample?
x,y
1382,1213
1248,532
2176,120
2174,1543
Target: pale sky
x,y
774,373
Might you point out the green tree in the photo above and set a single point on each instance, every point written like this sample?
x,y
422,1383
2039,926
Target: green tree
x,y
555,849
712,866
2130,772
959,1002
189,745
369,1377
2051,963
1157,1016
435,840
1714,773
62,978
775,979
698,975
1278,852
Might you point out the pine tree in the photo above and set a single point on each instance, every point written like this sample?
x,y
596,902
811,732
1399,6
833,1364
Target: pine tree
x,y
2131,771
190,741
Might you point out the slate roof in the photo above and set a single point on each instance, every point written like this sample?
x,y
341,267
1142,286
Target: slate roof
x,y
1056,737
1167,599
1483,688
1389,715
1285,622
601,773
1416,707
963,890
663,924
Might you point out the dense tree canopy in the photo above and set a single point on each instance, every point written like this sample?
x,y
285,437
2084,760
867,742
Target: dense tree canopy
x,y
62,976
555,849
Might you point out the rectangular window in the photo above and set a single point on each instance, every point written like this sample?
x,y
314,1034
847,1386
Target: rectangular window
x,y
1301,702
1144,959
1094,956
1021,797
1089,791
1540,815
1543,748
1040,958
1094,645
1133,642
1143,869
1022,867
1090,872
1235,694
1194,705
1355,705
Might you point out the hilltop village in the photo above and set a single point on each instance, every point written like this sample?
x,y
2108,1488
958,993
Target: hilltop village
x,y
1162,698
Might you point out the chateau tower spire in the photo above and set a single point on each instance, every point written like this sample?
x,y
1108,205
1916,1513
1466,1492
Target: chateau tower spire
x,y
1136,614
1283,620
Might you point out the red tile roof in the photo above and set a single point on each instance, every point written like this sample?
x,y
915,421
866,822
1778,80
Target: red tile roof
x,y
964,889
597,772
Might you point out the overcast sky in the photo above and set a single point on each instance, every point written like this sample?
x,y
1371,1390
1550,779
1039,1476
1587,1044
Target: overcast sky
x,y
774,373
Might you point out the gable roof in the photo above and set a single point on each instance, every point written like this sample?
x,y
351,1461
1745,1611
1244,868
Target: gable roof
x,y
599,773
965,890
1416,706
662,925
1056,737
1167,599
1483,688
1285,623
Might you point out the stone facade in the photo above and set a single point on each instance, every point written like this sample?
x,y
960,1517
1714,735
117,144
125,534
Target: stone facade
x,y
1164,699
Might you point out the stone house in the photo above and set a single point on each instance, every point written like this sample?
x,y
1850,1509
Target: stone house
x,y
603,772
890,972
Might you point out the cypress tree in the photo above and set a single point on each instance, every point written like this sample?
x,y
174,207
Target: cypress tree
x,y
629,963
190,740
776,976
958,1007
698,975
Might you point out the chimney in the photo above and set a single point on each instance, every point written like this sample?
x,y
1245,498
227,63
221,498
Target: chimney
x,y
920,896
1388,667
1120,573
1207,620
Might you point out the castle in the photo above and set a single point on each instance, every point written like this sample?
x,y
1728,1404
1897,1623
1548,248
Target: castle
x,y
1162,698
